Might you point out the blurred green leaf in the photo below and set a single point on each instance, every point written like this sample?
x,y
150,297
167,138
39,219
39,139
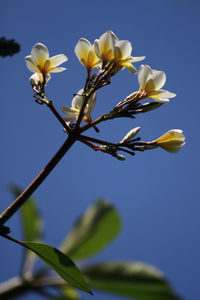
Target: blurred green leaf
x,y
62,264
98,226
134,280
69,293
31,224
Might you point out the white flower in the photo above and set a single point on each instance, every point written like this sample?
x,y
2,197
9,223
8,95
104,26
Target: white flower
x,y
40,62
151,82
171,141
104,47
86,54
110,49
77,102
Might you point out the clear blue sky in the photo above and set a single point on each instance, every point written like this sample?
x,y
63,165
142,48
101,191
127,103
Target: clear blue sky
x,y
156,193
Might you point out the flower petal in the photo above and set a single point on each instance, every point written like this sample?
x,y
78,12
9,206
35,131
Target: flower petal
x,y
155,81
71,117
136,58
173,147
122,49
161,94
106,44
56,70
77,101
143,75
57,60
40,54
161,100
98,64
82,50
173,134
92,60
31,65
69,110
130,68
171,141
96,48
92,101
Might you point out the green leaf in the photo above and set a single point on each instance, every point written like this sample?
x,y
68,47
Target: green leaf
x,y
131,279
62,264
31,222
98,226
32,225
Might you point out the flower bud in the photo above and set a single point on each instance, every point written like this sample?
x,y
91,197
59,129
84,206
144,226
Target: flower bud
x,y
36,81
132,133
172,141
120,157
150,106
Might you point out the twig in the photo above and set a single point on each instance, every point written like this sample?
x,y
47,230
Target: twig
x,y
49,103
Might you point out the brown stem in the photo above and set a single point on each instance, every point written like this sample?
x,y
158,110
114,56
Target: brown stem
x,y
95,122
87,80
17,286
83,138
85,101
12,209
49,103
96,84
88,143
86,98
58,116
13,288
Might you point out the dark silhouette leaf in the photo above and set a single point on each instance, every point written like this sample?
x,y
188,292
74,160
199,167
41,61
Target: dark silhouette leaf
x,y
8,47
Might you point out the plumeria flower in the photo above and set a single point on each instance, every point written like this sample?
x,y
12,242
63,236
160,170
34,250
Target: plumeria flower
x,y
171,141
39,61
110,49
77,102
86,54
104,47
151,82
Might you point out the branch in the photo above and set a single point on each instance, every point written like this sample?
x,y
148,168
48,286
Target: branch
x,y
13,288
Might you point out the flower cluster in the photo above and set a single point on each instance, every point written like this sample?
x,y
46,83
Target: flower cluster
x,y
106,51
109,55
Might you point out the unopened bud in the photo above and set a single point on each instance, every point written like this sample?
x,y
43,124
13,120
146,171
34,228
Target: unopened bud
x,y
120,157
150,106
132,96
133,132
36,81
171,141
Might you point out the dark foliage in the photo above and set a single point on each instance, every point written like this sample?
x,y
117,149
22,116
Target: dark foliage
x,y
8,47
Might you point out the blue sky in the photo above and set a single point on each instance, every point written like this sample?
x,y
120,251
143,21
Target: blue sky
x,y
156,193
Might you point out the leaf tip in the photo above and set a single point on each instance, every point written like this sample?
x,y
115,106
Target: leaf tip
x,y
91,293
